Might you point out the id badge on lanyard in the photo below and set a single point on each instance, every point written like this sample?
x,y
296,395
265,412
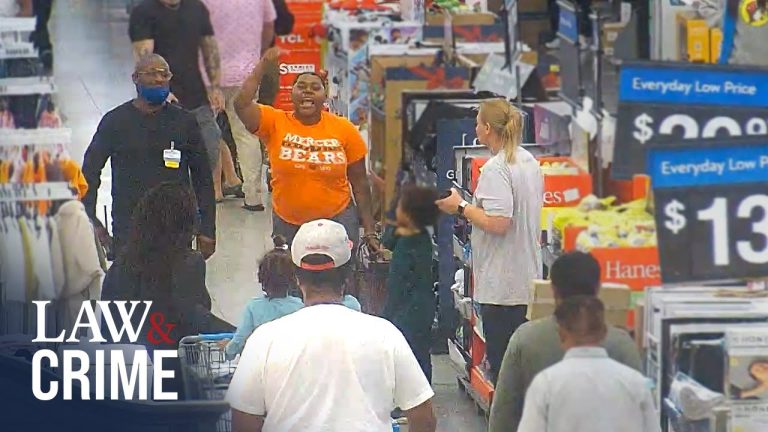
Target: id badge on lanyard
x,y
172,157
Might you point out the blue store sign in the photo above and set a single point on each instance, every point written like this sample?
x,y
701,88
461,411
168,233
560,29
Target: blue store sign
x,y
676,105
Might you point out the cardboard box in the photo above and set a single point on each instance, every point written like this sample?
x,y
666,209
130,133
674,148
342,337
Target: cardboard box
x,y
693,38
482,18
534,31
613,295
614,317
715,44
640,325
390,77
610,33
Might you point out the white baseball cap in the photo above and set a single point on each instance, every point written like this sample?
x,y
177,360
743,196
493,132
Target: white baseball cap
x,y
321,237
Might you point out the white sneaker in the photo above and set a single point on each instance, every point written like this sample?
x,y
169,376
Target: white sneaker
x,y
553,44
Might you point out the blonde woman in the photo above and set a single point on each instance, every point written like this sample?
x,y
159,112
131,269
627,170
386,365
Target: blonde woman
x,y
505,216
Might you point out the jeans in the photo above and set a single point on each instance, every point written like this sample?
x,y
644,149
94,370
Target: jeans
x,y
210,131
499,323
348,218
248,151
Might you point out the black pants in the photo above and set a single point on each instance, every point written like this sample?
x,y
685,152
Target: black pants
x,y
420,342
499,322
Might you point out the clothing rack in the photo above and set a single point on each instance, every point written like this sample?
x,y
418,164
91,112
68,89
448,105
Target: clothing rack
x,y
50,191
37,137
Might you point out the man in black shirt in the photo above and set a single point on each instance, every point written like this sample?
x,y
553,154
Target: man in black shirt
x,y
150,141
178,30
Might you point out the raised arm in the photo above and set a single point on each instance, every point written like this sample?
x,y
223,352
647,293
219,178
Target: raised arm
x,y
141,31
248,111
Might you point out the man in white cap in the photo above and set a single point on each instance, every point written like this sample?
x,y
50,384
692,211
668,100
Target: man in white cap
x,y
327,367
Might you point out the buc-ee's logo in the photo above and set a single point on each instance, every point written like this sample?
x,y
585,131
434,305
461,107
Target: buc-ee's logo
x,y
101,366
286,68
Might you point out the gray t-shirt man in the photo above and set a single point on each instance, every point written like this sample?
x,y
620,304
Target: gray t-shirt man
x,y
503,266
534,347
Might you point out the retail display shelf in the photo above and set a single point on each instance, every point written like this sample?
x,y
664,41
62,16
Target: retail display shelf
x,y
42,136
18,50
459,251
8,24
14,192
26,86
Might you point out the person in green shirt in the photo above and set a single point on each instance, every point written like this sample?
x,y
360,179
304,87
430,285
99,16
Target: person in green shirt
x,y
410,285
535,345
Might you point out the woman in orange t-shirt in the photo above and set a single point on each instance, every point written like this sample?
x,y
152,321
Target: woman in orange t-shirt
x,y
317,158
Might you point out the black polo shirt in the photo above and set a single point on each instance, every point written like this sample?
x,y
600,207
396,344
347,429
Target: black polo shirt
x,y
178,34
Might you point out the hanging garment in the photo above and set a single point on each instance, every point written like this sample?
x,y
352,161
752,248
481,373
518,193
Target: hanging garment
x,y
43,265
57,259
81,260
74,175
30,285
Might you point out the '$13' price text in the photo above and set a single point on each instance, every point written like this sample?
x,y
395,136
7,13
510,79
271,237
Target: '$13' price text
x,y
750,249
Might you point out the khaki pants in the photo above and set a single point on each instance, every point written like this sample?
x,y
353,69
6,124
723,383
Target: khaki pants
x,y
248,151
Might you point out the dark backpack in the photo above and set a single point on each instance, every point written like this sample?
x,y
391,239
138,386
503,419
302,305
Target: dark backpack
x,y
284,21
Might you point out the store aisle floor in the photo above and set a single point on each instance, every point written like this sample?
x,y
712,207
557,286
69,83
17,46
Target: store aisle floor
x,y
93,72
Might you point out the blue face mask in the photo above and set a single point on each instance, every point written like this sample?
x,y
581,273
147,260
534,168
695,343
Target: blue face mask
x,y
153,95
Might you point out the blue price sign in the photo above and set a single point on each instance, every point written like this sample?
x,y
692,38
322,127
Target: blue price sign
x,y
711,210
568,27
676,105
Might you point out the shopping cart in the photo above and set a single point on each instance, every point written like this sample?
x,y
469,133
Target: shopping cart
x,y
206,372
371,280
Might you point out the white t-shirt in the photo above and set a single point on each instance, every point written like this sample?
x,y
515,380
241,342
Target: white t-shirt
x,y
589,392
327,368
504,265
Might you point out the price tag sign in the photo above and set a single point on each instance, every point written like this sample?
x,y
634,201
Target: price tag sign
x,y
675,105
711,211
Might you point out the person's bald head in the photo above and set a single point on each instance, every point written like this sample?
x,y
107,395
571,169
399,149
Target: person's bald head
x,y
150,62
152,70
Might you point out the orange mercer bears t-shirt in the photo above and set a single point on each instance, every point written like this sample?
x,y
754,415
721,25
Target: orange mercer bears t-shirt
x,y
309,164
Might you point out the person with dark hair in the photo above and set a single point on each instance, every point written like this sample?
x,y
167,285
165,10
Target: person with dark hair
x,y
149,141
159,265
535,345
311,150
326,367
276,274
587,391
410,285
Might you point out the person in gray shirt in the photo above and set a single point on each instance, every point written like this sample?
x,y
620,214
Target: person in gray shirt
x,y
535,345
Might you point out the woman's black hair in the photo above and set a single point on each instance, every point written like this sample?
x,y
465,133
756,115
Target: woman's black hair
x,y
322,75
419,204
276,270
162,228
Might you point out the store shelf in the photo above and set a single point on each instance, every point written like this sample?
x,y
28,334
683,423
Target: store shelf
x,y
17,137
18,50
14,192
26,86
17,24
478,333
458,251
483,389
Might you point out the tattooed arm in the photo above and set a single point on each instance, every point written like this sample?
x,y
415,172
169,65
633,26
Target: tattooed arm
x,y
212,62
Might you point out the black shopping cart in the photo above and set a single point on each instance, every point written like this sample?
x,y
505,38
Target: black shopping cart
x,y
206,372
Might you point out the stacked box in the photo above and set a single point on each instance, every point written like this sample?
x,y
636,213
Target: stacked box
x,y
347,58
615,297
300,49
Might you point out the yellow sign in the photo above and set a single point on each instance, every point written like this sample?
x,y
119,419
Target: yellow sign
x,y
753,14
